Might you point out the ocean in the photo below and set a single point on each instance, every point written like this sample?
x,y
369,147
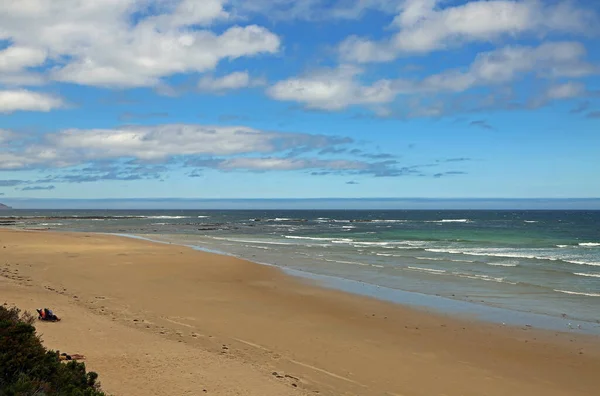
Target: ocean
x,y
533,262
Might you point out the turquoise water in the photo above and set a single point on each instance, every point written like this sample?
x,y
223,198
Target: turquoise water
x,y
544,262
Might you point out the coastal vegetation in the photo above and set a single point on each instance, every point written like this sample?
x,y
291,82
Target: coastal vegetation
x,y
28,368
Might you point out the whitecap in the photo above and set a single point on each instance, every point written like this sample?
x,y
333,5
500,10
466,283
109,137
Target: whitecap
x,y
577,293
486,278
431,270
308,238
589,244
494,252
167,217
587,274
503,264
449,221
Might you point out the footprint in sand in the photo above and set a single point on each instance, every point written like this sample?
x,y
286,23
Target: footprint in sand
x,y
293,381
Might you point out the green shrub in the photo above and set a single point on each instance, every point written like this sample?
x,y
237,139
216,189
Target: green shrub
x,y
27,368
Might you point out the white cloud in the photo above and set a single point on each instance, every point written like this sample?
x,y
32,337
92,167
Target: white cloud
x,y
15,58
117,154
191,12
340,88
6,136
424,26
153,143
565,91
286,164
235,80
332,90
98,43
505,65
15,100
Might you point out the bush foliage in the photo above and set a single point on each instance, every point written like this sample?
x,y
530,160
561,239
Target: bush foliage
x,y
27,368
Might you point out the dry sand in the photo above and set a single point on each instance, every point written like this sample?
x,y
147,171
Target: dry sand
x,y
156,319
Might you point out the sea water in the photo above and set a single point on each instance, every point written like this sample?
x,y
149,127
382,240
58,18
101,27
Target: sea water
x,y
539,262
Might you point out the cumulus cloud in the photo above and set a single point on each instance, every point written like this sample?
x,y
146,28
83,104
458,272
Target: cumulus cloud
x,y
6,136
272,163
337,89
232,81
15,58
123,43
332,89
425,25
21,99
150,152
154,143
316,166
565,91
504,65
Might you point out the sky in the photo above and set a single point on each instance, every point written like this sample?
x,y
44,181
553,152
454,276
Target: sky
x,y
234,99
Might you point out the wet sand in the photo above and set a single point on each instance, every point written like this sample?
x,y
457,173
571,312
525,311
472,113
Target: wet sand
x,y
157,319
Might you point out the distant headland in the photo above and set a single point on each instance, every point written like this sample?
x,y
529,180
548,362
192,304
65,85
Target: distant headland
x,y
3,207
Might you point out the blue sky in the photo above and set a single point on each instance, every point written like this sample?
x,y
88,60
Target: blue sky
x,y
299,99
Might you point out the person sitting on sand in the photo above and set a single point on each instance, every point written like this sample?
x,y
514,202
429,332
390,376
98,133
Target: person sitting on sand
x,y
47,314
64,356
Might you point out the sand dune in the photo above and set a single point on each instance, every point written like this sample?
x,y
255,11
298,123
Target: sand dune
x,y
156,319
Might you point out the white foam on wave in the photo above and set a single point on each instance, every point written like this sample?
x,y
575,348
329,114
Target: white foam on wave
x,y
486,278
587,274
577,293
357,243
495,252
258,247
589,244
167,217
252,241
348,262
430,270
307,238
529,221
562,246
342,240
503,264
449,221
389,221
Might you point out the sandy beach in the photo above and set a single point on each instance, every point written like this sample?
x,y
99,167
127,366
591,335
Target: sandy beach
x,y
159,319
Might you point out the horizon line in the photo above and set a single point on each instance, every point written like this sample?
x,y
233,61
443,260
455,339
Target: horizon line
x,y
305,199
303,203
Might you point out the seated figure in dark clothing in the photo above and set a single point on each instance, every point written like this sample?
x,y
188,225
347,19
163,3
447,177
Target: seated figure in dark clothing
x,y
47,314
